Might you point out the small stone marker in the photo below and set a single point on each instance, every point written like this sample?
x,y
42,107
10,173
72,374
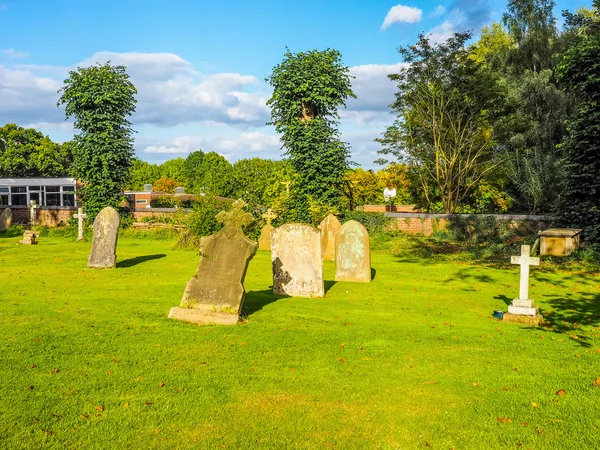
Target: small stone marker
x,y
29,238
329,228
6,219
264,241
296,259
353,253
215,294
80,216
104,241
33,211
523,309
559,241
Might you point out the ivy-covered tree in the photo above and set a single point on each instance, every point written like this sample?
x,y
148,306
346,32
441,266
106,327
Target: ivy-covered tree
x,y
100,98
308,89
579,72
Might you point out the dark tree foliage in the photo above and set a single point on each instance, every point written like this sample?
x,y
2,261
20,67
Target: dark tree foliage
x,y
100,98
308,89
579,71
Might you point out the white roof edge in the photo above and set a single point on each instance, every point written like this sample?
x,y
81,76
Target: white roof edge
x,y
36,181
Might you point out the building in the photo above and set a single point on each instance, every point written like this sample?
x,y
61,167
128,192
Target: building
x,y
48,192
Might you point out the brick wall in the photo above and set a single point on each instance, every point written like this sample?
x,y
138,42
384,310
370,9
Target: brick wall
x,y
50,216
386,208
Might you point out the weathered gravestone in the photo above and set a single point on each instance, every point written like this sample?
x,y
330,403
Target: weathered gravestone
x,y
215,294
29,238
6,219
523,308
353,253
80,216
296,259
264,241
104,241
33,207
329,228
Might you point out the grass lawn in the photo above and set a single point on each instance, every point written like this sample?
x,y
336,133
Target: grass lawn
x,y
414,359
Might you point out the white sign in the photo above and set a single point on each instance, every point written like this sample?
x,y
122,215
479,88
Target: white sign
x,y
389,193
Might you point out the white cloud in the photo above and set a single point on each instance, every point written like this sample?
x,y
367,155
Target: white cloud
x,y
14,54
401,13
438,11
442,32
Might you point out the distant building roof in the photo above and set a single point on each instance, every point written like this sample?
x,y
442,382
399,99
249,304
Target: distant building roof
x,y
36,181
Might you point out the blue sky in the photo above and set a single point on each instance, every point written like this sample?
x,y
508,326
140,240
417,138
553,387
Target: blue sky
x,y
199,66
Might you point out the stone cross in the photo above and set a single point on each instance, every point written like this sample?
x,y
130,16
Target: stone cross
x,y
269,215
524,261
80,216
32,211
234,219
287,186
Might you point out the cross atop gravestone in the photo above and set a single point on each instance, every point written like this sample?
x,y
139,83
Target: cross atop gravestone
x,y
33,206
80,216
234,219
525,260
269,215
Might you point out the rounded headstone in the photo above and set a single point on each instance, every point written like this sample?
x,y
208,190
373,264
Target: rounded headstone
x,y
329,228
104,241
353,253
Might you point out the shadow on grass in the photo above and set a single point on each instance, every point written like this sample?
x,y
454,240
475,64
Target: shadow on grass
x,y
572,316
138,260
256,300
373,273
504,298
329,284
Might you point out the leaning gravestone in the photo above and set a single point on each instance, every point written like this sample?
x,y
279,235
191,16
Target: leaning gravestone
x,y
264,241
6,219
104,241
296,259
215,294
353,253
329,228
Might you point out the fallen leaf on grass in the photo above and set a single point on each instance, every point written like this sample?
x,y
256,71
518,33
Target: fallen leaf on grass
x,y
33,366
475,384
504,420
430,382
148,403
504,388
109,373
523,424
535,405
560,392
597,383
100,408
341,360
55,370
30,388
126,405
541,432
161,384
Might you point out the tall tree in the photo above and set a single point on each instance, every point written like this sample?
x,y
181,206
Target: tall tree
x,y
308,89
174,169
579,72
25,152
193,166
100,98
445,103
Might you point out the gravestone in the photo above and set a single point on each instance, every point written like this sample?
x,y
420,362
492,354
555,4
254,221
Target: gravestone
x,y
215,294
104,241
329,228
353,253
33,206
80,216
29,238
6,219
559,241
296,260
264,241
523,308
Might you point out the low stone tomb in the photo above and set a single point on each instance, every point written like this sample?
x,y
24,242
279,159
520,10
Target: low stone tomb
x,y
329,228
264,241
296,260
29,238
559,241
523,309
104,240
6,219
353,253
215,294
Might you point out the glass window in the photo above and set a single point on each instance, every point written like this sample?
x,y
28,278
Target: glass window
x,y
141,201
68,199
3,199
35,188
67,188
52,188
19,199
4,189
18,190
52,199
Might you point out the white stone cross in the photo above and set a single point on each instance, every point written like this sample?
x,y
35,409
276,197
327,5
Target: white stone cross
x,y
269,215
32,211
80,216
524,261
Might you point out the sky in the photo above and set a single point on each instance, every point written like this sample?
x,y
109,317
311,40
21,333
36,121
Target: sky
x,y
200,66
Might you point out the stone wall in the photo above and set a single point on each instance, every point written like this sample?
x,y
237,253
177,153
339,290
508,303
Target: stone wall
x,y
394,208
50,216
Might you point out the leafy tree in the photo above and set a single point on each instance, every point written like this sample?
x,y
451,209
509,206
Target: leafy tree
x,y
25,152
445,104
100,98
256,179
174,169
193,167
308,89
578,71
216,175
166,185
493,48
141,173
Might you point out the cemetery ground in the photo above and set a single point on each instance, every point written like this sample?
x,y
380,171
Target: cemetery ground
x,y
413,359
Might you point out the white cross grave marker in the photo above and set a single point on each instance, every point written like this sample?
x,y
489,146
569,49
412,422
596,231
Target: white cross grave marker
x,y
525,261
269,215
32,211
80,216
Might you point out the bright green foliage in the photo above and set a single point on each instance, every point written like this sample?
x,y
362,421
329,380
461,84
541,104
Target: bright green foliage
x,y
208,172
193,166
258,181
25,152
308,89
174,169
141,173
445,105
493,48
100,98
580,72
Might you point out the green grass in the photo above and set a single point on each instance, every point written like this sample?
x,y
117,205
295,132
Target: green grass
x,y
414,359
